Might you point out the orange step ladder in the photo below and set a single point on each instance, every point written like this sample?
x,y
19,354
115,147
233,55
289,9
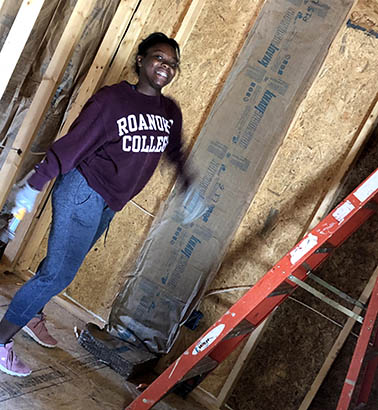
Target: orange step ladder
x,y
271,290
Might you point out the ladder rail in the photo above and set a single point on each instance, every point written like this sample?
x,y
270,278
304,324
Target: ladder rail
x,y
369,376
359,352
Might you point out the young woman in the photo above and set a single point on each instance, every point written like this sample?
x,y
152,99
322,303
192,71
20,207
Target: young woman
x,y
106,158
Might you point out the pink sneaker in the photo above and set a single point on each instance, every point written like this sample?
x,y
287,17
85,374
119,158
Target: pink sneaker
x,y
10,364
36,329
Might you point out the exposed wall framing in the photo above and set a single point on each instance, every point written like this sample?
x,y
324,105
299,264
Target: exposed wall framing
x,y
330,127
43,96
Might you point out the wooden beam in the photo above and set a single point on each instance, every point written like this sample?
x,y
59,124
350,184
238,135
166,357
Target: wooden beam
x,y
43,96
128,45
187,26
189,22
17,38
92,81
206,399
1,6
337,345
368,125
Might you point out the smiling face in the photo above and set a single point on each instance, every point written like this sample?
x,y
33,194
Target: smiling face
x,y
157,68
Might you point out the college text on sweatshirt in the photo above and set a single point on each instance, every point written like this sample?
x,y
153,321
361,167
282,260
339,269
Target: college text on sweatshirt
x,y
134,131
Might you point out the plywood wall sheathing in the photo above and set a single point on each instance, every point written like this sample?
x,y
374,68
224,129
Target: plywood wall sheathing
x,y
367,128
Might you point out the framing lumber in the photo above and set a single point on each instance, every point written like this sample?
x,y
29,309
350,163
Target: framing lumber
x,y
1,6
90,84
206,399
128,44
189,22
43,96
367,127
187,25
338,345
17,38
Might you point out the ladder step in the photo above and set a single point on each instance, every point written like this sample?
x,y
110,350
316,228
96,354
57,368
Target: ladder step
x,y
336,291
326,299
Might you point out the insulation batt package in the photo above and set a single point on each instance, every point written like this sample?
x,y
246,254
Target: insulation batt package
x,y
248,122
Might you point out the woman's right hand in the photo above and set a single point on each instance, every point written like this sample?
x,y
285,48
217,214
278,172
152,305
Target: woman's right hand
x,y
25,197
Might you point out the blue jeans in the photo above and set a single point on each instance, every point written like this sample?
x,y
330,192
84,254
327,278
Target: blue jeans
x,y
80,216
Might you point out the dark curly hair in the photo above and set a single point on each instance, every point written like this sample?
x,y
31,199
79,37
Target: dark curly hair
x,y
151,40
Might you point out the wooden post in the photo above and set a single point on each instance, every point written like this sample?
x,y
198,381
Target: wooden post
x,y
337,345
43,96
1,6
95,75
189,22
17,38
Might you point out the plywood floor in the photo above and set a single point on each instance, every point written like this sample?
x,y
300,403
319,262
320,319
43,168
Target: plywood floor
x,y
66,377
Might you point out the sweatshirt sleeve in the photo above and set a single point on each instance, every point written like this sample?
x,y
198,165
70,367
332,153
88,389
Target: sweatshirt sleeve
x,y
85,136
174,149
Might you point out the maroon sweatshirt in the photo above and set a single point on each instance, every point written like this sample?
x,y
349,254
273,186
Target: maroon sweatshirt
x,y
116,143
